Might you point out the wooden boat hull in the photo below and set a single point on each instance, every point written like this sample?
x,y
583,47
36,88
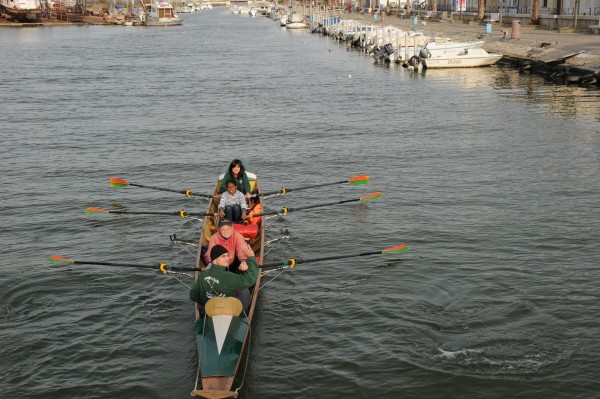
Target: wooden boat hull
x,y
220,358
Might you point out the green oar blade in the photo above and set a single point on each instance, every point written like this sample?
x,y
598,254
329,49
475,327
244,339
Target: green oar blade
x,y
355,181
118,182
395,250
59,259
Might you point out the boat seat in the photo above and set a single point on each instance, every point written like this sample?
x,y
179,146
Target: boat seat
x,y
223,305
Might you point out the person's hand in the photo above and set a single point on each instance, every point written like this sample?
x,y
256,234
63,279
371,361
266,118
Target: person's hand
x,y
243,266
248,196
247,249
245,215
221,213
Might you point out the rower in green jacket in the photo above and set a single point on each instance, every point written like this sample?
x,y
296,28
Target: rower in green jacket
x,y
216,281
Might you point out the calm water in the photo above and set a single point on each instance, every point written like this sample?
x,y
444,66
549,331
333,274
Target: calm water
x,y
491,177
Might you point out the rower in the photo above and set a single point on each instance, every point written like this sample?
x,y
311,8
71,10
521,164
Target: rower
x,y
218,282
233,203
231,240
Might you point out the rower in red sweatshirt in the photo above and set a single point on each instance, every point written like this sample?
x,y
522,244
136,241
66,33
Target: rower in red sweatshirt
x,y
233,241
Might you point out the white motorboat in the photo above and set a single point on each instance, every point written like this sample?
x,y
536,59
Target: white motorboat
x,y
438,48
162,14
432,49
295,21
468,58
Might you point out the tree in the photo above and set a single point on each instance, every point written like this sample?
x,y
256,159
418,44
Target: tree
x,y
480,9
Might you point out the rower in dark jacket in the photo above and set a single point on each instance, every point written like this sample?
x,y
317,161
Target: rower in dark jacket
x,y
216,281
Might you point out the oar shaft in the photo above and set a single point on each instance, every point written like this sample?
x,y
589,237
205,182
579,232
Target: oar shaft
x,y
298,261
286,210
117,264
188,193
287,190
182,213
145,213
170,190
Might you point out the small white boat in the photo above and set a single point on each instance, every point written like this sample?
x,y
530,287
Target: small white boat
x,y
447,48
469,58
236,10
162,14
295,21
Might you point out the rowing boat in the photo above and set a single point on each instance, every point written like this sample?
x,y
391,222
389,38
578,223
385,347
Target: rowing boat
x,y
222,334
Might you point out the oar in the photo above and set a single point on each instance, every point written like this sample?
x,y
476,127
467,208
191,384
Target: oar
x,y
163,267
285,211
121,183
291,262
356,180
183,213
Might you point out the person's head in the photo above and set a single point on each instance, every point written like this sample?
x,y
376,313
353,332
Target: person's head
x,y
219,255
225,228
236,169
231,186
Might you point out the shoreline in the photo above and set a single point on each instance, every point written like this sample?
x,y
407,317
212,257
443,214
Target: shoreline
x,y
536,49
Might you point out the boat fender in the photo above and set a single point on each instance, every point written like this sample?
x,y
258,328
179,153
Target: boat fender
x,y
247,230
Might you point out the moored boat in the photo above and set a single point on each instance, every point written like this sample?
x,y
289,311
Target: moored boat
x,y
222,335
161,14
469,58
21,10
296,21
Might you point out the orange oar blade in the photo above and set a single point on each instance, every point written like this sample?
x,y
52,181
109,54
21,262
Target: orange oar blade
x,y
356,180
372,196
59,259
118,182
395,250
96,210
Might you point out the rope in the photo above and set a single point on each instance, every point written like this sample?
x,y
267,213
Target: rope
x,y
188,251
283,269
193,220
276,241
247,356
172,273
200,354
